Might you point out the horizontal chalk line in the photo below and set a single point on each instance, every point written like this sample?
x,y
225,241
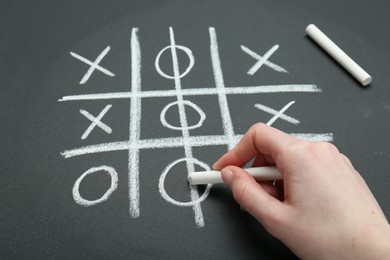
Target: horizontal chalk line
x,y
197,91
195,141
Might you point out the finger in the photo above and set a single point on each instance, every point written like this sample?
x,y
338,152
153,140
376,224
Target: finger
x,y
263,160
252,197
348,162
260,140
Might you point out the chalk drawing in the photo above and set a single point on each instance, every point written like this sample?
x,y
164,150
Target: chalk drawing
x,y
176,66
262,60
174,142
185,102
197,92
186,142
165,195
199,220
134,125
93,65
220,86
96,121
278,114
76,187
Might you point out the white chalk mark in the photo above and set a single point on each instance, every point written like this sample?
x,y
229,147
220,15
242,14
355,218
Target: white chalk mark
x,y
134,126
198,214
262,60
76,187
278,114
221,90
97,148
96,121
172,142
93,65
163,192
199,220
198,92
186,50
188,103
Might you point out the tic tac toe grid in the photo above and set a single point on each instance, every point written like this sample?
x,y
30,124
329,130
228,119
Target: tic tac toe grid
x,y
134,144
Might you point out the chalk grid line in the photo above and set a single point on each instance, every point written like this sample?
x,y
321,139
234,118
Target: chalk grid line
x,y
135,144
134,125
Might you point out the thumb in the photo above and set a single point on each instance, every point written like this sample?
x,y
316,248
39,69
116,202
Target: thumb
x,y
252,197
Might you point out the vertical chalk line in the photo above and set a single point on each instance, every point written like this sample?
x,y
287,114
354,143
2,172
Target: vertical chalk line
x,y
199,220
134,125
220,86
179,95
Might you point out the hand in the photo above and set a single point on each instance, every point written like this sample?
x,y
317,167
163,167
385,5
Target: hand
x,y
322,209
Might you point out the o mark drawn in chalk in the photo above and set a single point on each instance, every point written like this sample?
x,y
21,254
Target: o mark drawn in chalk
x,y
262,60
164,194
278,114
93,65
183,48
76,187
188,103
96,121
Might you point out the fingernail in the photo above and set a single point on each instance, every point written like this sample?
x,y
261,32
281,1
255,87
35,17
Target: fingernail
x,y
227,175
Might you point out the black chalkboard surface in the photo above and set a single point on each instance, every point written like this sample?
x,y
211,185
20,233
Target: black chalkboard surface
x,y
106,106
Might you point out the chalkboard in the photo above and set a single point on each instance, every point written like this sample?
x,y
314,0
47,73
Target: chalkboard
x,y
106,106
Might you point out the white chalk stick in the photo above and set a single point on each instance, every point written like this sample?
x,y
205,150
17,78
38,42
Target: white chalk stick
x,y
211,177
339,55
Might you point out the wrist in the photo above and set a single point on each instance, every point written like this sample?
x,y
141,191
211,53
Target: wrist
x,y
376,243
384,244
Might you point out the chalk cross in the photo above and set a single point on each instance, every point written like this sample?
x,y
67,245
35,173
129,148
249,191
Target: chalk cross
x,y
93,65
96,121
278,114
262,60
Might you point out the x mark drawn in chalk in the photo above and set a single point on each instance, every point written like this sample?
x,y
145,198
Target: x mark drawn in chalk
x,y
262,60
96,121
93,65
278,114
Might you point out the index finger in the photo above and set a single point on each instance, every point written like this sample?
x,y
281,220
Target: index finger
x,y
259,140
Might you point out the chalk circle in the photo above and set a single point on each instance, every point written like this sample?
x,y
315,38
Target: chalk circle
x,y
185,102
165,195
190,65
114,184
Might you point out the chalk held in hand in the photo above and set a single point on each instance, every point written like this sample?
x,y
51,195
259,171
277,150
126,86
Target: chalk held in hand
x,y
339,55
210,177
